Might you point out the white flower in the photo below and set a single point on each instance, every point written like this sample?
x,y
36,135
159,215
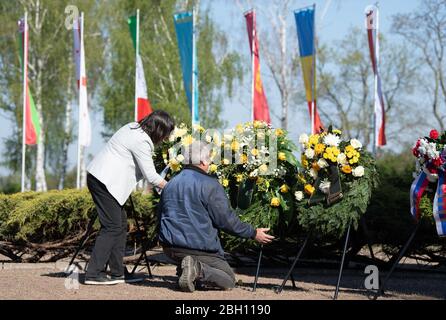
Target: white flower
x,y
322,163
332,140
254,173
325,186
303,138
299,195
342,158
356,143
180,158
358,171
313,173
260,135
309,153
208,138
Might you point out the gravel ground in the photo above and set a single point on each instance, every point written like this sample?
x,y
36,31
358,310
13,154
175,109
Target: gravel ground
x,y
46,281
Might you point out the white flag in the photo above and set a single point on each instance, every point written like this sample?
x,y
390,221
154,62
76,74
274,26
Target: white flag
x,y
79,57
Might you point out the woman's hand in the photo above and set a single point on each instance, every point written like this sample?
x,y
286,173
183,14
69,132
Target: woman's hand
x,y
162,184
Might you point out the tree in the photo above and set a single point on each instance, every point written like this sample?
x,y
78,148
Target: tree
x,y
345,87
158,47
425,30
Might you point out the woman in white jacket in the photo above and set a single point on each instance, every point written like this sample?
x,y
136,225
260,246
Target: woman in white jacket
x,y
112,175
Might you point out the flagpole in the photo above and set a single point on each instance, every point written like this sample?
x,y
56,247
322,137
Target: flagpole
x,y
79,148
25,62
313,78
376,80
136,63
252,61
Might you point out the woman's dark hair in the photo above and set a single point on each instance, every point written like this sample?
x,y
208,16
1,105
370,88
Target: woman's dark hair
x,y
158,125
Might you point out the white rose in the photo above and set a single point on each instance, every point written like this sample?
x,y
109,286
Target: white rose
x,y
309,153
342,158
299,195
358,171
313,173
322,163
180,158
303,138
208,138
356,143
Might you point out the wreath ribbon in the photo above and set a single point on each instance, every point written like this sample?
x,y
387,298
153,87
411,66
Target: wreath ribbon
x,y
439,206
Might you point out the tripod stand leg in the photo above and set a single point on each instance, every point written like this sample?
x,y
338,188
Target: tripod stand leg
x,y
290,271
143,245
82,242
347,237
400,256
258,269
367,235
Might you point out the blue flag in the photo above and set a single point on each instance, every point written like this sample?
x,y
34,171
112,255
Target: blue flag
x,y
184,28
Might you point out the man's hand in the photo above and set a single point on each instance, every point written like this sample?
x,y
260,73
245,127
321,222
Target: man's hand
x,y
262,236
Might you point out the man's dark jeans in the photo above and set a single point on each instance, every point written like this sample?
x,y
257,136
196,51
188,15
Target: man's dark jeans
x,y
215,269
111,240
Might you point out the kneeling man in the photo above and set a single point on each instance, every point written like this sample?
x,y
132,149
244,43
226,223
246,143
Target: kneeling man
x,y
193,208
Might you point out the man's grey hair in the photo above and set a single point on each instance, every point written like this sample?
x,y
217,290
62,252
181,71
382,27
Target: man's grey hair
x,y
198,151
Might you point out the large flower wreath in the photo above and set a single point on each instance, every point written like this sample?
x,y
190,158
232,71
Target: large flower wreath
x,y
428,191
335,183
253,162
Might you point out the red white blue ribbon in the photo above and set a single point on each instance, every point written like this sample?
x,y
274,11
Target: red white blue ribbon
x,y
439,210
416,192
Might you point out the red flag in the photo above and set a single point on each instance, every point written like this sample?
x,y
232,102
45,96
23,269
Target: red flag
x,y
259,103
373,39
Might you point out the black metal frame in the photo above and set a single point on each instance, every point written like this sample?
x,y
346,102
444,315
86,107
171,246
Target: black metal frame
x,y
400,256
300,252
140,233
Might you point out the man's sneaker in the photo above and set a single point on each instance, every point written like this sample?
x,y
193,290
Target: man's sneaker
x,y
188,275
101,280
128,278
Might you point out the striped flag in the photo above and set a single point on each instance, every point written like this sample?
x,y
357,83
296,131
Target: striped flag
x,y
81,77
260,110
306,35
142,103
371,21
31,118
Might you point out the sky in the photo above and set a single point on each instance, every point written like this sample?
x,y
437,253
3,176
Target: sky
x,y
334,18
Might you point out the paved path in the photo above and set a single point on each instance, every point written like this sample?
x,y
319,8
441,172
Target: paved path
x,y
46,281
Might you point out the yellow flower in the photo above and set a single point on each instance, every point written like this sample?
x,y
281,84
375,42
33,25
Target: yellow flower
x,y
284,188
187,140
319,148
255,152
258,124
301,178
263,168
346,169
259,180
279,132
235,146
309,189
244,158
336,131
282,156
212,168
314,139
225,183
304,161
174,165
199,128
275,202
239,177
349,148
164,155
239,128
315,166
